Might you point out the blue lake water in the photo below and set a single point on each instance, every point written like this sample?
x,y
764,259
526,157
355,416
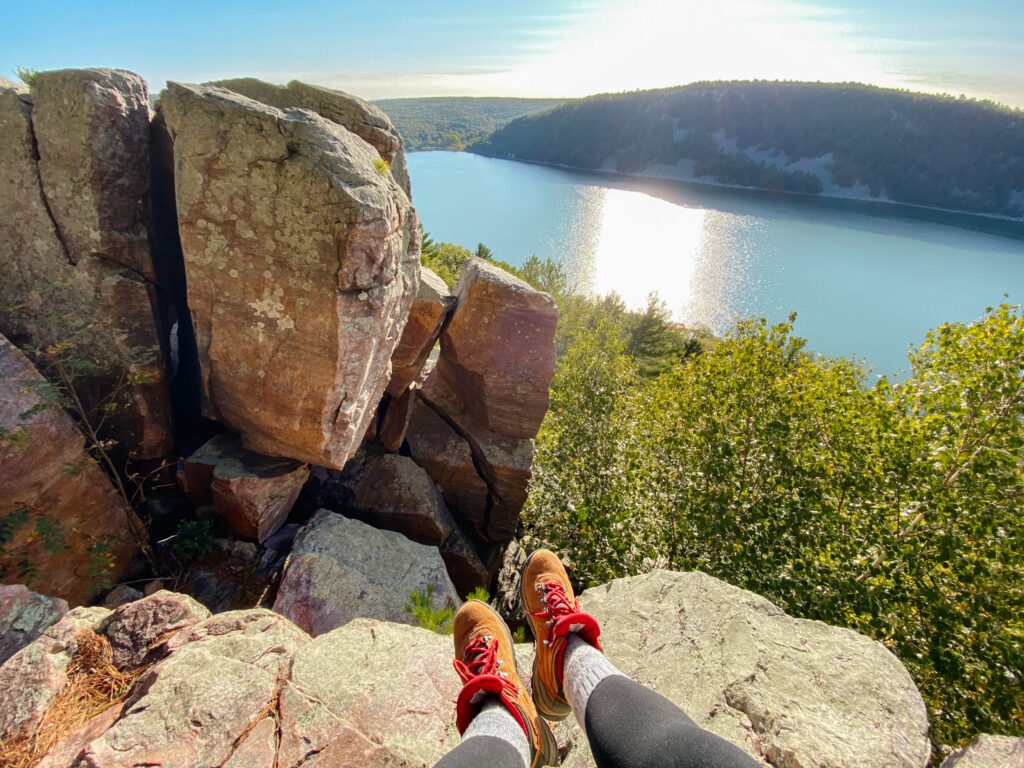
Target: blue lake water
x,y
863,286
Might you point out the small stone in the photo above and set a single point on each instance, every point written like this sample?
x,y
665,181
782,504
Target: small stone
x,y
134,629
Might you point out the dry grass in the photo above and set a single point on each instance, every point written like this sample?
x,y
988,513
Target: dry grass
x,y
94,685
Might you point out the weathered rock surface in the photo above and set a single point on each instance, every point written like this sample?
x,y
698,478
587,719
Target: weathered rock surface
x,y
32,677
302,261
396,494
465,566
341,569
74,175
221,676
362,118
789,691
508,596
497,350
426,316
395,420
122,594
64,512
133,629
24,616
988,751
253,493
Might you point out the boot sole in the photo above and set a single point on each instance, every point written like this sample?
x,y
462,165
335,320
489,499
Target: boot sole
x,y
556,708
548,753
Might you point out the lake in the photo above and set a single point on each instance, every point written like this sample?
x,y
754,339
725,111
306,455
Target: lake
x,y
862,286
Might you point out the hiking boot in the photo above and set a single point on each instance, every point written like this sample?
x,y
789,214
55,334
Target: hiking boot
x,y
486,663
553,612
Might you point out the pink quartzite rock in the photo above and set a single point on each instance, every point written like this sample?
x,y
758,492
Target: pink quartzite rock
x,y
497,350
988,751
395,493
429,310
24,615
395,420
302,261
74,181
63,509
134,629
466,569
253,493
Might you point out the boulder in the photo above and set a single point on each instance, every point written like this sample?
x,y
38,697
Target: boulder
x,y
302,260
33,677
24,616
426,316
74,181
988,751
200,704
789,691
395,420
497,350
133,629
366,121
65,518
370,694
465,567
508,597
122,594
341,569
396,494
253,493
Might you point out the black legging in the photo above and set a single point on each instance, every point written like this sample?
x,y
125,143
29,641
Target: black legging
x,y
628,726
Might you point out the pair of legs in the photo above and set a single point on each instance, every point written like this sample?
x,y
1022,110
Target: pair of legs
x,y
626,724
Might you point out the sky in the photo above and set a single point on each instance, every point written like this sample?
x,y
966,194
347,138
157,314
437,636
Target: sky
x,y
531,47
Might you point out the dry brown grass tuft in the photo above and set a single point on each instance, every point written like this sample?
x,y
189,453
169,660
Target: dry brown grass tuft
x,y
94,685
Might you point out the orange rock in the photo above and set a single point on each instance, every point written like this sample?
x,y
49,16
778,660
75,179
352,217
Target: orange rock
x,y
395,421
427,315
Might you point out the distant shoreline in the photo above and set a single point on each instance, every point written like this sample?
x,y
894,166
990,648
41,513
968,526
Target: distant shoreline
x,y
978,222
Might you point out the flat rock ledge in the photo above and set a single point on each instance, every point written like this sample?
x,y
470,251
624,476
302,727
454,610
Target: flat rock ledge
x,y
249,688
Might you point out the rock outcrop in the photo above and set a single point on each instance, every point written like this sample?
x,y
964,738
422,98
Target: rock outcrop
x,y
78,274
426,316
790,692
65,519
253,493
989,752
249,689
302,259
24,616
134,629
340,569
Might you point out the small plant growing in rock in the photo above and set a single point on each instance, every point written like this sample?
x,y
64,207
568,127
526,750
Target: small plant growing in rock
x,y
383,166
519,636
481,594
421,608
27,76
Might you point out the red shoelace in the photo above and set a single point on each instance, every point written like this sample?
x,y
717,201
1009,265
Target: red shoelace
x,y
556,601
482,659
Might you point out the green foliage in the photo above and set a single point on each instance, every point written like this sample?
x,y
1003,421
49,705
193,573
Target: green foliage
x,y
519,635
481,594
101,563
193,541
912,148
11,523
446,259
893,509
426,615
452,123
382,166
27,76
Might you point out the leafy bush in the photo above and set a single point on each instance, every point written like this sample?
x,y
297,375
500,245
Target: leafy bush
x,y
426,615
892,509
481,594
27,76
383,166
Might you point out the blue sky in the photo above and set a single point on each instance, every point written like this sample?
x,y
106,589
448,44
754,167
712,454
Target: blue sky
x,y
532,48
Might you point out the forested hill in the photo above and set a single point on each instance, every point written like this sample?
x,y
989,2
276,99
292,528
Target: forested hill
x,y
842,140
455,123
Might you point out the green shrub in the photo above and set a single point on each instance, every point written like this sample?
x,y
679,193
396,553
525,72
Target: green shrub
x,y
27,76
383,166
426,615
481,594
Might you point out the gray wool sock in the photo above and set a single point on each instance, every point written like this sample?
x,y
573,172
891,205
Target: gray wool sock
x,y
583,668
495,720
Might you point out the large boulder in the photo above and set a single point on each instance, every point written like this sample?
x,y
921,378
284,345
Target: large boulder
x,y
362,118
67,526
497,350
790,692
135,628
429,311
253,493
302,261
341,569
988,751
24,616
78,274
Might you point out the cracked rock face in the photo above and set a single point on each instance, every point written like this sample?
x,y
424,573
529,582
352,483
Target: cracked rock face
x,y
24,616
302,260
794,693
74,177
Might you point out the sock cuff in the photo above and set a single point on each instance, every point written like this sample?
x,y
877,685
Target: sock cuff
x,y
496,721
583,669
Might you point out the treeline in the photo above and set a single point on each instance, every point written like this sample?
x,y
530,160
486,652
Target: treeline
x,y
455,123
912,148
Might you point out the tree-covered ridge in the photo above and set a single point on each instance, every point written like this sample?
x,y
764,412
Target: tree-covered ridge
x,y
455,123
838,139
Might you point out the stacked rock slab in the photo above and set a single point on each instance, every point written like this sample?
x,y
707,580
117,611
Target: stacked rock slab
x,y
74,181
65,518
253,493
426,317
302,259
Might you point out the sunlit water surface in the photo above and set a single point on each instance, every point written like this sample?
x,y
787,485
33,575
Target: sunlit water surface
x,y
862,286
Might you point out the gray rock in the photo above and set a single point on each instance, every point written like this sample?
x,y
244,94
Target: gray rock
x,y
122,594
988,751
24,616
134,629
340,569
791,692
